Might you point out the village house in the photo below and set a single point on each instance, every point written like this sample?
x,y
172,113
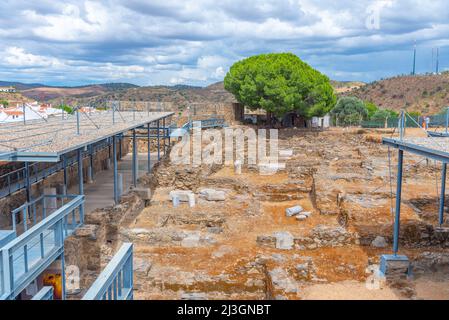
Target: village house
x,y
8,89
29,111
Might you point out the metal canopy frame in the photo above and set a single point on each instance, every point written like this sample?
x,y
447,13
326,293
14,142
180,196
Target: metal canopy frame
x,y
31,153
426,152
420,148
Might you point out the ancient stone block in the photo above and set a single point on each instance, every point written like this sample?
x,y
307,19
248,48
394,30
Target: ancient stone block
x,y
284,240
193,296
213,195
192,240
143,193
141,266
87,231
183,195
379,242
290,212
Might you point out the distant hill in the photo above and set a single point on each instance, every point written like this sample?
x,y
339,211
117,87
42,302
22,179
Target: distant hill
x,y
14,98
346,86
37,91
180,94
427,94
20,86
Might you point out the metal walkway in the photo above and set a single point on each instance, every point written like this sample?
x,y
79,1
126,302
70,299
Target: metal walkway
x,y
23,259
16,180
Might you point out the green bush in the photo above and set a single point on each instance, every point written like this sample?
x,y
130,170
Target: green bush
x,y
66,108
372,108
349,111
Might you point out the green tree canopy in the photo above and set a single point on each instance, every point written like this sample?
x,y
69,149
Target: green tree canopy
x,y
66,108
280,83
381,115
372,109
349,111
4,103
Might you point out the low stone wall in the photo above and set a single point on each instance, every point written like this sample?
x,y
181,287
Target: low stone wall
x,y
413,234
320,237
95,243
231,112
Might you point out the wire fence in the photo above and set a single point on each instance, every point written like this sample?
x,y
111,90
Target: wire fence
x,y
392,122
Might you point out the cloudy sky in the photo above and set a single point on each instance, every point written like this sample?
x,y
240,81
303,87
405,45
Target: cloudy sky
x,y
149,42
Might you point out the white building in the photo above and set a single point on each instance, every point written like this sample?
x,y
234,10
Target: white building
x,y
33,111
7,89
321,122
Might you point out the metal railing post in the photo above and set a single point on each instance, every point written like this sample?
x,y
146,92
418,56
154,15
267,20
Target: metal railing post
x,y
398,203
443,193
77,122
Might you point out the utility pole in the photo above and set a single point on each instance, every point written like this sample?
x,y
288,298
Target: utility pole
x,y
24,118
414,60
438,61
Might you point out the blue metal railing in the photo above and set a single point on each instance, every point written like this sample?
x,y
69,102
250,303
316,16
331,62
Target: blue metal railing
x,y
203,124
2,279
116,280
38,209
15,180
27,256
46,293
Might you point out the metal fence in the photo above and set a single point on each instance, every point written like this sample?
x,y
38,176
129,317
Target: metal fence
x,y
116,280
46,293
29,254
411,122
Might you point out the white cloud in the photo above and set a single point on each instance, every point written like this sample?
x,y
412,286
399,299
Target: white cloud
x,y
17,57
196,41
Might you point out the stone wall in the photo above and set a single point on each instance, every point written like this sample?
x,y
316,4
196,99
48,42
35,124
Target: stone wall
x,y
231,112
413,234
321,236
95,243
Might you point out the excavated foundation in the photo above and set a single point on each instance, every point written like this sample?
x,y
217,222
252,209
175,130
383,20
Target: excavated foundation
x,y
246,247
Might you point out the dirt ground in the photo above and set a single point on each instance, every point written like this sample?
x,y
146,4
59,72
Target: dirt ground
x,y
230,249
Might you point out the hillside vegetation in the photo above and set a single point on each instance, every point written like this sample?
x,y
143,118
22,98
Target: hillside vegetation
x,y
14,98
46,93
178,94
346,86
427,94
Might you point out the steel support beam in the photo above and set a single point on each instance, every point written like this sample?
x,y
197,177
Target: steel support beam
x,y
77,122
64,168
91,164
120,148
165,131
398,203
168,134
80,172
416,149
81,178
135,168
27,182
63,293
114,160
158,142
149,149
443,193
